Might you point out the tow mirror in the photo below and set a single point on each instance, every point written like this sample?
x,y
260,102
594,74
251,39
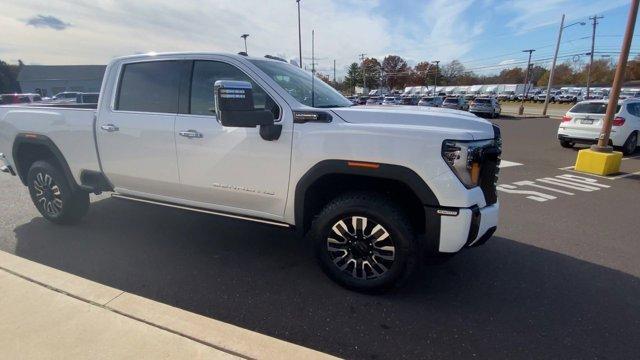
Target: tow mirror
x,y
234,105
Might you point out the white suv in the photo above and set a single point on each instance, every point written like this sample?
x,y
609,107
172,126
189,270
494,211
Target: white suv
x,y
583,122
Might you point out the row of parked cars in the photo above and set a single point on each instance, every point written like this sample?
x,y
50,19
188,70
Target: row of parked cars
x,y
485,105
63,97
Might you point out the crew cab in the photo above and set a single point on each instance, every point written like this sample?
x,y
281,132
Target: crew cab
x,y
374,189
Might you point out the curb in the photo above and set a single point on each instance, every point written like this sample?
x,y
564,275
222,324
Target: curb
x,y
229,338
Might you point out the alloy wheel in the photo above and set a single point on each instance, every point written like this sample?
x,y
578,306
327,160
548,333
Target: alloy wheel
x,y
361,247
48,194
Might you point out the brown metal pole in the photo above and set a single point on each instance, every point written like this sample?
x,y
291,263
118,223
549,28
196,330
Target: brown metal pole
x,y
603,140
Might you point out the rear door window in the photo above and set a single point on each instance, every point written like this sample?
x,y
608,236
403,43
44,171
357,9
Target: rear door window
x,y
150,87
592,108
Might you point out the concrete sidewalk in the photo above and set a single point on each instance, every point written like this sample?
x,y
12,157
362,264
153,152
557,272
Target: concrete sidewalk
x,y
46,313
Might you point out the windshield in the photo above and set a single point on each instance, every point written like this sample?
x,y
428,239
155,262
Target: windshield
x,y
592,108
297,83
454,100
483,101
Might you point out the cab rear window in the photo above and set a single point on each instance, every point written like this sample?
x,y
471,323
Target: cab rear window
x,y
591,108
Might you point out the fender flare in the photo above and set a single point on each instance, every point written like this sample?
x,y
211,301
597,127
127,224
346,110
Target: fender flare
x,y
37,139
381,171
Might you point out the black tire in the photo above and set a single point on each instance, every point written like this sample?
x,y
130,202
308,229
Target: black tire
x,y
391,257
53,196
567,144
630,145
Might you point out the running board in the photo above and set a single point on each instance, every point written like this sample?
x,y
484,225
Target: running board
x,y
200,210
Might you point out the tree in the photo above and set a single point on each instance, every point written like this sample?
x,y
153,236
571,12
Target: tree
x,y
353,77
421,73
449,73
371,67
9,78
633,69
601,73
395,71
323,77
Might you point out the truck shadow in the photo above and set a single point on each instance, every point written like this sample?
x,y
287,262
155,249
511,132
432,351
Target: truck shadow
x,y
505,300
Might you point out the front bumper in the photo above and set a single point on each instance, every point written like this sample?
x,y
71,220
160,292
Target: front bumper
x,y
470,227
481,110
4,165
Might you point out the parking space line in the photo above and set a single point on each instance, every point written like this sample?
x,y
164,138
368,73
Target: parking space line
x,y
506,164
622,176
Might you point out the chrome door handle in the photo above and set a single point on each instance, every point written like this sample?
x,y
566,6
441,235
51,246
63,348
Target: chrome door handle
x,y
109,128
191,134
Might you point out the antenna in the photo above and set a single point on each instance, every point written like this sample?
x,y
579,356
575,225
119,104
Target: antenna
x,y
313,69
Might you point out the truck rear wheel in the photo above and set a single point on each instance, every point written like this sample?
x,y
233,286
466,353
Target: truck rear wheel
x,y
364,242
53,196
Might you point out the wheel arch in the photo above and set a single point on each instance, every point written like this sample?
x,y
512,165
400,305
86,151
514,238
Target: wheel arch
x,y
28,148
330,178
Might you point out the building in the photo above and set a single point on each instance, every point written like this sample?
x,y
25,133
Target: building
x,y
49,80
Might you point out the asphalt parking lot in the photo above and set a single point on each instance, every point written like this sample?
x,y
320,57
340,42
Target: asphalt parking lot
x,y
559,280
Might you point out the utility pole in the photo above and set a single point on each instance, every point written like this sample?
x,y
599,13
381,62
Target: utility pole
x,y
313,69
299,35
593,42
526,80
603,140
435,79
334,71
245,36
364,72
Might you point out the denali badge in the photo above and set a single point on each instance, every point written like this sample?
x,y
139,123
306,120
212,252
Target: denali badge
x,y
242,188
447,212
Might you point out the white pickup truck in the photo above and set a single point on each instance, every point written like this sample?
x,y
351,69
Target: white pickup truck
x,y
373,188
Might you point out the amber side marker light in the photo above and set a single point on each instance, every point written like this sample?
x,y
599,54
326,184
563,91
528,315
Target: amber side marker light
x,y
363,164
475,173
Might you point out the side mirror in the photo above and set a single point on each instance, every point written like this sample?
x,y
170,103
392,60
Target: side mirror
x,y
234,105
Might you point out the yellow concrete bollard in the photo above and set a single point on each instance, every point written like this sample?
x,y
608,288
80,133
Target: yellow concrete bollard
x,y
599,163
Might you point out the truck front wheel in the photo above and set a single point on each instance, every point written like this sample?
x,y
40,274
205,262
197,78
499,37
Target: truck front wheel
x,y
364,242
53,196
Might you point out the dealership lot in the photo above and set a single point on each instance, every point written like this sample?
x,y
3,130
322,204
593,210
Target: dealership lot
x,y
559,280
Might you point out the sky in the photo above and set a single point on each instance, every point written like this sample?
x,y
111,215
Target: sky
x,y
485,35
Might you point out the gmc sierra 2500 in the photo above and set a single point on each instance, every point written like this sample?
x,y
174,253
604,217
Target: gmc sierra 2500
x,y
374,188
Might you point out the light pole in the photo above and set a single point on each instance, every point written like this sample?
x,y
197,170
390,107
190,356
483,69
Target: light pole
x,y
299,35
553,63
245,36
526,79
435,79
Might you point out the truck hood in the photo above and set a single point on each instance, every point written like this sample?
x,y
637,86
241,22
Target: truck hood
x,y
442,118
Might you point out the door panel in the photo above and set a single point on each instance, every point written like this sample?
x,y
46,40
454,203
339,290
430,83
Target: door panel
x,y
136,139
232,169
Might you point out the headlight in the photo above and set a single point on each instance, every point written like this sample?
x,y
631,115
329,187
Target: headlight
x,y
465,159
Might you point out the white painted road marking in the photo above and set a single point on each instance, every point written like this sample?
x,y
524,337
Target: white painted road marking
x,y
506,164
566,181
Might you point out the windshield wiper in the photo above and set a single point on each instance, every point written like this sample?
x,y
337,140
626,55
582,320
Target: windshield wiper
x,y
331,106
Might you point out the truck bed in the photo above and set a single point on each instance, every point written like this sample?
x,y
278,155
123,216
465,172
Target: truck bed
x,y
69,126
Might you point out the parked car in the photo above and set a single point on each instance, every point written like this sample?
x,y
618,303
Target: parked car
x,y
6,99
432,101
362,100
571,97
629,94
583,122
66,95
374,100
391,100
458,103
485,106
87,98
353,99
553,96
507,96
409,100
344,177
